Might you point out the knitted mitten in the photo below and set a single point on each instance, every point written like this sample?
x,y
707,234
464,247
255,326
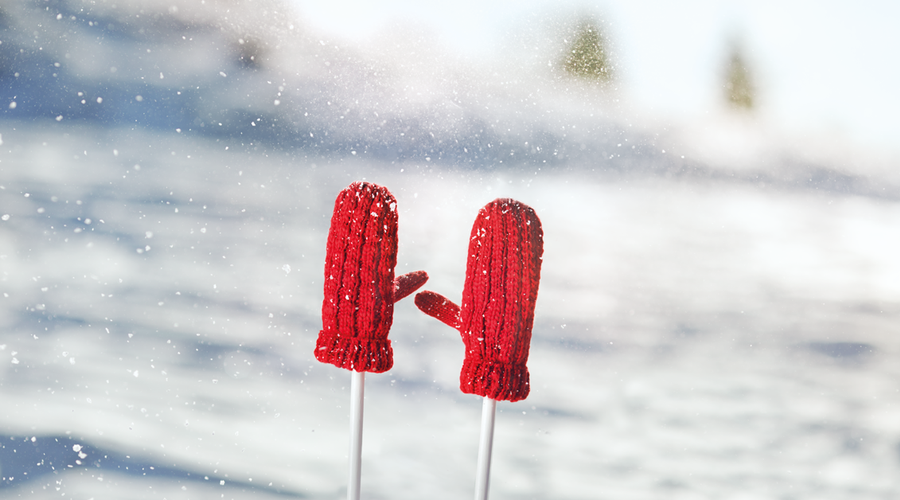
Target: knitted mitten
x,y
497,314
360,289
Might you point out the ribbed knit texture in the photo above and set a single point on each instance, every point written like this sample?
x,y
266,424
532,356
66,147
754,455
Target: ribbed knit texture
x,y
497,314
360,289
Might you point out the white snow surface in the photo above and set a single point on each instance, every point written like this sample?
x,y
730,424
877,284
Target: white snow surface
x,y
694,338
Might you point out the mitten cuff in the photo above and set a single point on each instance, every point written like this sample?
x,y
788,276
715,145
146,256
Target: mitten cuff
x,y
354,353
500,382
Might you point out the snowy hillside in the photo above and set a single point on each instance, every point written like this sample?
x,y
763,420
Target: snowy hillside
x,y
704,329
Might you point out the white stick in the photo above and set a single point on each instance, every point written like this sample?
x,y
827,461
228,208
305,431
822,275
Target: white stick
x,y
483,474
357,395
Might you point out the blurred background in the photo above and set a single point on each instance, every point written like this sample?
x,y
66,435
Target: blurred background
x,y
719,191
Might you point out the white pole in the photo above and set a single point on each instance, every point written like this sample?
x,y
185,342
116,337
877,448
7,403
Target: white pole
x,y
483,474
357,395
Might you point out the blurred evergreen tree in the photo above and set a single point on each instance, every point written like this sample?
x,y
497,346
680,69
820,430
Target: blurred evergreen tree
x,y
588,55
740,92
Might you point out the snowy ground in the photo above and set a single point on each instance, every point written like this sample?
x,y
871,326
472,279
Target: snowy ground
x,y
695,338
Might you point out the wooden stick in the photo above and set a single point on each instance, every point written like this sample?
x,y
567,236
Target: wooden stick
x,y
357,396
483,474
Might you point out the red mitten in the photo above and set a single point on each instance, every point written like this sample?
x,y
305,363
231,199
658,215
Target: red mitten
x,y
497,314
360,289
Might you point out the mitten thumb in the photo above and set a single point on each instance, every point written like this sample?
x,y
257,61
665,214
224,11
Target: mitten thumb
x,y
408,283
439,307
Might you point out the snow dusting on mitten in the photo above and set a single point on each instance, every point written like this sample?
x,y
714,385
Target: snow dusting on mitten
x,y
497,313
360,289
